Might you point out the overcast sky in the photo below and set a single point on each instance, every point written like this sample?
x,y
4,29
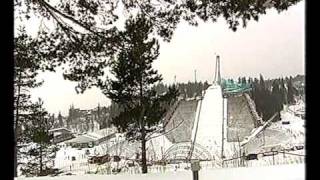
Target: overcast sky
x,y
273,47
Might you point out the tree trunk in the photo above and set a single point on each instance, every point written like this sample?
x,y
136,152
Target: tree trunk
x,y
15,153
41,139
40,163
143,142
15,161
143,130
143,151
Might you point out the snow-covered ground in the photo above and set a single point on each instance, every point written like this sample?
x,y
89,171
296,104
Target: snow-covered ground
x,y
287,137
281,172
288,132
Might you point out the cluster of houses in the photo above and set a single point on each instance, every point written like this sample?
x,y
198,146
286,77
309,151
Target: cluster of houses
x,y
86,140
83,128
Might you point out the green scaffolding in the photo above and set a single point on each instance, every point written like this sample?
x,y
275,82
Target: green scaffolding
x,y
229,86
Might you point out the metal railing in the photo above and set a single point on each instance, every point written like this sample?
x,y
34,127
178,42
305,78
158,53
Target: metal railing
x,y
265,159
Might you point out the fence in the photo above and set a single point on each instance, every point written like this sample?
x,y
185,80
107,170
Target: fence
x,y
261,159
265,159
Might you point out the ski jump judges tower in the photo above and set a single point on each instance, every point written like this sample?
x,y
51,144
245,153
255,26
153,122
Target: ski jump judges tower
x,y
207,128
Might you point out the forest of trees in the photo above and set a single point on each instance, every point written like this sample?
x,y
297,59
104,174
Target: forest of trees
x,y
271,95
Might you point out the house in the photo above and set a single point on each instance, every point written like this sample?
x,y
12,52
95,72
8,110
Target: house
x,y
61,134
93,138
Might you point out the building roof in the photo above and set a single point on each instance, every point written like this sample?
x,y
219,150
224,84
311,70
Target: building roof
x,y
59,129
81,139
102,133
93,136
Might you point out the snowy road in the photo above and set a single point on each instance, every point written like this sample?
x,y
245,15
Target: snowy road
x,y
282,172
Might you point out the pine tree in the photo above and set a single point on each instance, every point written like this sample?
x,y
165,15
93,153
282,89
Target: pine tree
x,y
200,89
262,83
60,120
291,91
53,119
243,80
284,91
37,130
25,72
70,116
250,81
134,79
261,96
160,88
190,89
277,102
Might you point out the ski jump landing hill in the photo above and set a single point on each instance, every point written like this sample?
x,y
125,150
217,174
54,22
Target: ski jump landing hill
x,y
223,125
210,127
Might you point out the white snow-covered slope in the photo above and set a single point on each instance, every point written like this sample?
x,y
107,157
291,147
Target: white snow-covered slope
x,y
209,132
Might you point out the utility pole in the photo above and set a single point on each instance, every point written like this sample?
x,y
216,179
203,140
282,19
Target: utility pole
x,y
195,167
222,144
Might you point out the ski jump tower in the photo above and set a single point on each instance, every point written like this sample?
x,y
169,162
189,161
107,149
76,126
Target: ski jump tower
x,y
217,76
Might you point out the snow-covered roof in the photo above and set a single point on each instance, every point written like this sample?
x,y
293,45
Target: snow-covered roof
x,y
102,133
93,136
81,139
59,129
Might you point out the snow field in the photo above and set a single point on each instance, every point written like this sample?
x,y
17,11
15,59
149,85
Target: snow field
x,y
280,172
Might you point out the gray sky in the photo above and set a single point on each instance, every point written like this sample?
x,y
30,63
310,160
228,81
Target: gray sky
x,y
273,47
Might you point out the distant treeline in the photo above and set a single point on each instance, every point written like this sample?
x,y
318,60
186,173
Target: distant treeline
x,y
186,90
270,95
